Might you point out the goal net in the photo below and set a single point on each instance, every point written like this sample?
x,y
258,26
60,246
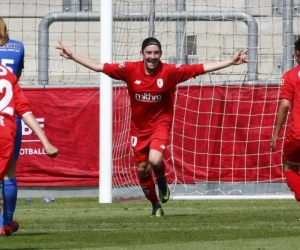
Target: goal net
x,y
223,121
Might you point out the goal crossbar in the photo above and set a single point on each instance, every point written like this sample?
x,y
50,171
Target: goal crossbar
x,y
249,20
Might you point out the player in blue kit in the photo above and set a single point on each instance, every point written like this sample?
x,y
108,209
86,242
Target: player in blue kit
x,y
11,56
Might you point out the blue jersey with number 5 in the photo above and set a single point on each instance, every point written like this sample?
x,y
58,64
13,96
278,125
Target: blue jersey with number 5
x,y
12,55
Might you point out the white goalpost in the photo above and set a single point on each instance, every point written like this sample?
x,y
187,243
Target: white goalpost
x,y
106,104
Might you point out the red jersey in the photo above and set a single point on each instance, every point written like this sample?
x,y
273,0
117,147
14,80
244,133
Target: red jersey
x,y
151,96
12,102
290,90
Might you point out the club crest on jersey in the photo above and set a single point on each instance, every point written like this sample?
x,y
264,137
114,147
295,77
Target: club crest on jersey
x,y
160,83
178,66
122,65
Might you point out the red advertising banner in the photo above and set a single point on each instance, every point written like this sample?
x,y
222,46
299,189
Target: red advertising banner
x,y
70,119
220,133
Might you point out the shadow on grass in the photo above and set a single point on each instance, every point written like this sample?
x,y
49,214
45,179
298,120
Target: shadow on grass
x,y
26,234
176,215
26,248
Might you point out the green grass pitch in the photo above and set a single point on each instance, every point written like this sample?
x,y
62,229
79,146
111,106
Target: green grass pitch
x,y
83,223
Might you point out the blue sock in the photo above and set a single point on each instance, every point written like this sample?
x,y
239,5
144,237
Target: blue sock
x,y
10,192
1,220
1,209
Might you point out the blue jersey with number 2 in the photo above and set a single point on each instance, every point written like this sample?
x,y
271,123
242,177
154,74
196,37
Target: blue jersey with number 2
x,y
12,56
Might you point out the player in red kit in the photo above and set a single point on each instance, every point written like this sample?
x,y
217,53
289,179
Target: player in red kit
x,y
151,85
12,102
290,100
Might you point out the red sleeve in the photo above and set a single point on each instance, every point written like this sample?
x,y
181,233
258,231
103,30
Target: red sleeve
x,y
183,73
21,103
287,87
116,71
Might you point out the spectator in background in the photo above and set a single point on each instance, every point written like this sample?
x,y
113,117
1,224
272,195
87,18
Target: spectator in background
x,y
11,56
290,100
151,86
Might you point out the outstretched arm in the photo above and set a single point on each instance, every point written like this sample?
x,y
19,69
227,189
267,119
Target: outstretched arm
x,y
239,58
32,123
281,117
86,62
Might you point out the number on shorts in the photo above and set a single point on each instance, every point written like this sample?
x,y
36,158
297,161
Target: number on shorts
x,y
133,141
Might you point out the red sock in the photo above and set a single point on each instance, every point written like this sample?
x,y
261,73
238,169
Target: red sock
x,y
148,186
160,172
293,182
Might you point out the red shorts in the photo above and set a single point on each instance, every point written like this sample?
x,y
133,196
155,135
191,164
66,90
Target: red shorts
x,y
141,145
6,154
291,150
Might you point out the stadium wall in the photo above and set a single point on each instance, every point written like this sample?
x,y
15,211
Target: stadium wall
x,y
23,20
